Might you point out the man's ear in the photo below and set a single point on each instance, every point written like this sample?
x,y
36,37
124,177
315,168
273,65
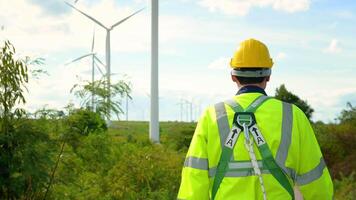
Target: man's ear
x,y
267,78
234,79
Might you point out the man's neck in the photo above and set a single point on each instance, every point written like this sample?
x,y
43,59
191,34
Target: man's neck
x,y
261,85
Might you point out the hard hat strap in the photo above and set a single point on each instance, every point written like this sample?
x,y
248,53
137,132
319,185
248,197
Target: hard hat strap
x,y
251,73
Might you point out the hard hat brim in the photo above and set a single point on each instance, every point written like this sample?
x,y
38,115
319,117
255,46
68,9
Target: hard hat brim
x,y
251,73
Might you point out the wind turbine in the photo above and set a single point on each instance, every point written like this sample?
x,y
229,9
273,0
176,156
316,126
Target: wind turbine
x,y
181,104
94,64
190,108
107,43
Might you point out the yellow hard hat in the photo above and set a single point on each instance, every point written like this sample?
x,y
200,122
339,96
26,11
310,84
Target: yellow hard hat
x,y
251,54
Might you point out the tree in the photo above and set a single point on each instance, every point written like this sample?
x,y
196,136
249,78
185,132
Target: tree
x,y
283,94
13,77
23,143
348,114
99,89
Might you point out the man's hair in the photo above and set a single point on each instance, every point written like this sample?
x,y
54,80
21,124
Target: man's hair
x,y
250,80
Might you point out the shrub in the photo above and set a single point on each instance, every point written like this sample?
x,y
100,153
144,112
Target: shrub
x,y
84,121
145,172
345,188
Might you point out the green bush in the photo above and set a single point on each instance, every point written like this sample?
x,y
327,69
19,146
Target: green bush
x,y
337,143
345,188
84,121
145,172
28,165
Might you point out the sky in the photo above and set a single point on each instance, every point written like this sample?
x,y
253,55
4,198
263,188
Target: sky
x,y
311,42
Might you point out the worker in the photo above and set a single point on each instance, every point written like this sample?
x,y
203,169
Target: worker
x,y
254,146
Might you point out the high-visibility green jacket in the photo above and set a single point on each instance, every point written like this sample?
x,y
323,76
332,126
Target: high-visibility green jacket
x,y
290,138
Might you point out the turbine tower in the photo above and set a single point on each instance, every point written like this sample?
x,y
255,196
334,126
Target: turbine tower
x,y
107,44
154,123
94,60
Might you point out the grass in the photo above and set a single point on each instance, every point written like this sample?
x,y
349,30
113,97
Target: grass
x,y
140,130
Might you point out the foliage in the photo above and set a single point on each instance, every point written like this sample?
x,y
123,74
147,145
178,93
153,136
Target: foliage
x,y
29,162
345,187
84,121
283,94
348,115
145,172
34,63
94,96
182,140
48,113
82,169
13,77
337,142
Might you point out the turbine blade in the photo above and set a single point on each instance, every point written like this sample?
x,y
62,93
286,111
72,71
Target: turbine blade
x,y
126,18
79,58
92,44
97,59
90,17
97,66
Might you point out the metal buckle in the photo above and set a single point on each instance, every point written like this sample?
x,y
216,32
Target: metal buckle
x,y
244,118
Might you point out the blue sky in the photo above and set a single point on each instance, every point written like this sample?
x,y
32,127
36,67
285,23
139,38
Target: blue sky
x,y
312,44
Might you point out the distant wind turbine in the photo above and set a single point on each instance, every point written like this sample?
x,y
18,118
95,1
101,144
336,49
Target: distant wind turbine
x,y
190,107
107,49
94,64
181,104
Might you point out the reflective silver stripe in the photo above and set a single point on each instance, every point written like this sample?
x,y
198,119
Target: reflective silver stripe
x,y
286,137
238,173
312,175
196,163
223,122
234,105
237,108
282,153
249,172
243,165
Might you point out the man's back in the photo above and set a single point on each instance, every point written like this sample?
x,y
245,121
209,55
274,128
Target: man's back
x,y
289,136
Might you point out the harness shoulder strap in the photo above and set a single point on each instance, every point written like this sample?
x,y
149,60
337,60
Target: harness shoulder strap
x,y
257,103
234,105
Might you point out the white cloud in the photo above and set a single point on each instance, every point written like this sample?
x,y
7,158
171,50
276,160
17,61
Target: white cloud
x,y
220,63
242,8
333,47
281,56
291,6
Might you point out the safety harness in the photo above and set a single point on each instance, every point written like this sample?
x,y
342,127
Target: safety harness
x,y
244,120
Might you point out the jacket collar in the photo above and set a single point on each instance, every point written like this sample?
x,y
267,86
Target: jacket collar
x,y
251,89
